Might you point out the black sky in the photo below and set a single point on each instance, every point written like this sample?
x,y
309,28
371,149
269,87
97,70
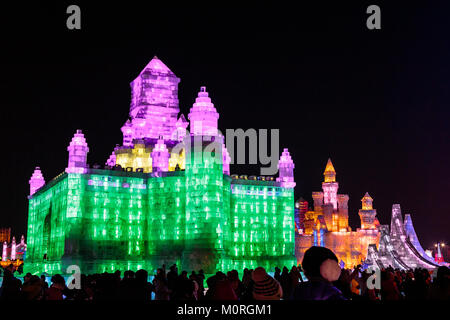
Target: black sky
x,y
376,102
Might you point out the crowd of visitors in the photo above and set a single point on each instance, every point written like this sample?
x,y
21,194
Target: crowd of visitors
x,y
324,281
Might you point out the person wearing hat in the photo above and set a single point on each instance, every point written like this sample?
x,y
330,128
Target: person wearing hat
x,y
321,267
265,287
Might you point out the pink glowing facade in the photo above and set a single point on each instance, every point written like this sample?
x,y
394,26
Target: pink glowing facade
x,y
78,150
36,181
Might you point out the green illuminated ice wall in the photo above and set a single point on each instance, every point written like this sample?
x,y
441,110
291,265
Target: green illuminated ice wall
x,y
261,225
107,220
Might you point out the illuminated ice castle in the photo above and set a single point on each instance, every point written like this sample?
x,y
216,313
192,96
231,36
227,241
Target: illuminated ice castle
x,y
372,244
327,224
164,196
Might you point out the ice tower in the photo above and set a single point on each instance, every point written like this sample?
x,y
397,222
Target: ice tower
x,y
78,150
367,213
205,216
154,103
330,186
153,119
203,115
36,180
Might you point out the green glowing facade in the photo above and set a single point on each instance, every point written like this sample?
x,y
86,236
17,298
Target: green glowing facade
x,y
126,219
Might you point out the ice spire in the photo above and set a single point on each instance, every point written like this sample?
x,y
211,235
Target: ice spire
x,y
160,157
329,173
36,180
78,150
203,115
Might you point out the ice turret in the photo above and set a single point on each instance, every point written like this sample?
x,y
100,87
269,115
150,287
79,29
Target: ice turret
x,y
160,157
367,213
36,180
286,170
330,186
203,115
78,150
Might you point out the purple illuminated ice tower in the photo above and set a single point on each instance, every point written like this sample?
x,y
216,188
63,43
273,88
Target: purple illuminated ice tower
x,y
78,150
36,180
203,116
154,104
286,170
160,157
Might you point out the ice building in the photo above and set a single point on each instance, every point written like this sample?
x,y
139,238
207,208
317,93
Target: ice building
x,y
326,224
165,195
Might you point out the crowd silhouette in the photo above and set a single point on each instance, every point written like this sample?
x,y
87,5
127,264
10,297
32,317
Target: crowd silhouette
x,y
323,281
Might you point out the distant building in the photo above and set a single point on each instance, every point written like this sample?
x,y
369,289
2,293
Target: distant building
x,y
13,252
327,224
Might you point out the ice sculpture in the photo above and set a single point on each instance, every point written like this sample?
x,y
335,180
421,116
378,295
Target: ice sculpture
x,y
150,206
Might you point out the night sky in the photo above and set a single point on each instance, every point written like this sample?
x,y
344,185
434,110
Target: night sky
x,y
375,101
